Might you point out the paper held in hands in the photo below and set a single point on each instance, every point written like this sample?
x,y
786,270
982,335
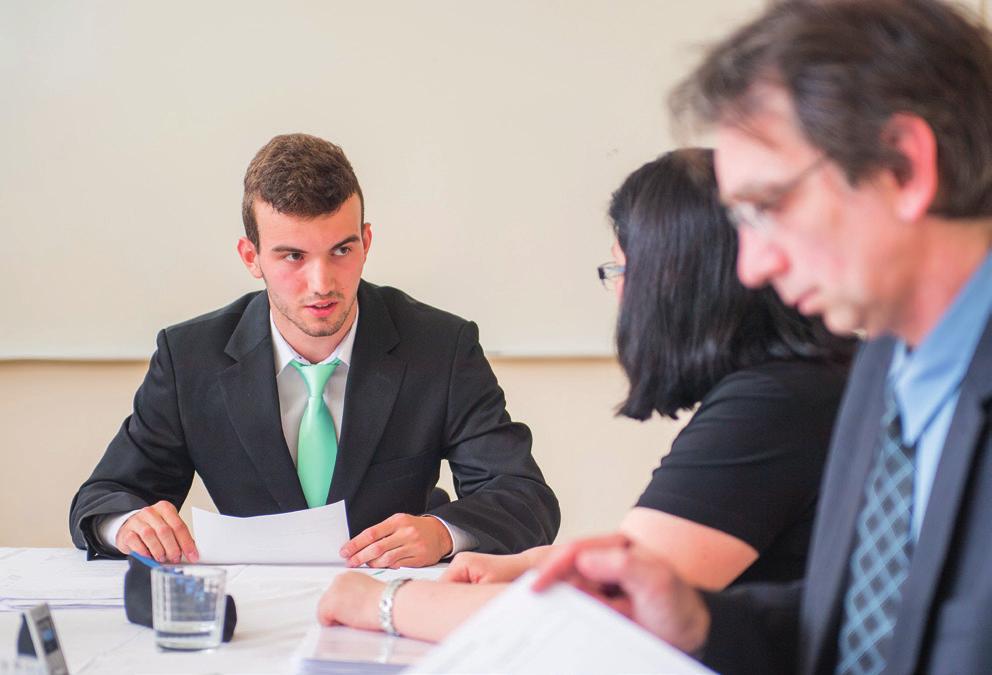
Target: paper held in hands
x,y
560,630
298,537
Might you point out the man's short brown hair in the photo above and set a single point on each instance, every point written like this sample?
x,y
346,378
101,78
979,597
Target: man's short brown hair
x,y
848,67
299,175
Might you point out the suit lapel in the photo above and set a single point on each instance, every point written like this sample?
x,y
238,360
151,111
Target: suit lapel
x,y
374,379
252,401
970,418
856,438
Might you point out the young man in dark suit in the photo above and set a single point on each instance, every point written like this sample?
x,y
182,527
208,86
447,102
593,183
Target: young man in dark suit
x,y
323,387
854,151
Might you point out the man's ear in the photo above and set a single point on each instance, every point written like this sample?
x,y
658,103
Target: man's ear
x,y
249,256
366,237
917,179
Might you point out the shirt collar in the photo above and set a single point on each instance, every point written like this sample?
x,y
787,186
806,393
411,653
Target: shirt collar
x,y
924,379
285,354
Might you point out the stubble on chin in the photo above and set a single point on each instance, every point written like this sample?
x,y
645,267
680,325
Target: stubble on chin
x,y
319,329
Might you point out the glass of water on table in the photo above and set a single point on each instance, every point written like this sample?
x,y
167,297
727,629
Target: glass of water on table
x,y
188,604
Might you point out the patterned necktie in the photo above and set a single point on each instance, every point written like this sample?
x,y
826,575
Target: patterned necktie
x,y
317,448
883,548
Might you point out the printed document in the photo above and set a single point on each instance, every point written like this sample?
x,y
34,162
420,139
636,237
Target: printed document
x,y
299,537
560,630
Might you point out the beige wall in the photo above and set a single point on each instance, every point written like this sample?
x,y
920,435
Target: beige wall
x,y
488,137
57,417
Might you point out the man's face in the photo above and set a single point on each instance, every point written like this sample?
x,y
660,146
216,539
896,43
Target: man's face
x,y
311,268
834,250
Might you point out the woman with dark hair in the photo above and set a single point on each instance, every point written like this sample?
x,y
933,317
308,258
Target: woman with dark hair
x,y
735,498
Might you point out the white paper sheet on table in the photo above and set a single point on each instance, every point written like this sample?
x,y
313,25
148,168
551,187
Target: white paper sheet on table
x,y
307,536
62,578
558,631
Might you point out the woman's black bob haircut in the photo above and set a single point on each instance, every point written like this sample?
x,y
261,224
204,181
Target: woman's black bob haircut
x,y
685,320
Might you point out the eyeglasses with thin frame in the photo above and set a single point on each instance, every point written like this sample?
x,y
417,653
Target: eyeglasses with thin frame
x,y
757,216
609,272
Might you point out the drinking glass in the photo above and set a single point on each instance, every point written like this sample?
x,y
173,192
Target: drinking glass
x,y
188,604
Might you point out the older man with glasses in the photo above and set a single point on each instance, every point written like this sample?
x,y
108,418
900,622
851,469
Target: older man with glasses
x,y
854,154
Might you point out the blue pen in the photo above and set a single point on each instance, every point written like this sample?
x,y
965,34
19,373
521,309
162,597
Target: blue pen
x,y
148,562
153,564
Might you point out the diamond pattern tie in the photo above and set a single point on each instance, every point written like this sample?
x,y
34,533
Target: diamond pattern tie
x,y
883,548
317,447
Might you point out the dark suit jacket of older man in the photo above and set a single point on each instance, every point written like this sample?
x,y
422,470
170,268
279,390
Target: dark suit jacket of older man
x,y
944,624
419,391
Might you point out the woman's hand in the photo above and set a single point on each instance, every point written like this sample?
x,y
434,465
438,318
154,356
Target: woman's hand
x,y
485,568
352,599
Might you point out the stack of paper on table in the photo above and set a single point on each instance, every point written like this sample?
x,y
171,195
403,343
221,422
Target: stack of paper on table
x,y
62,578
348,650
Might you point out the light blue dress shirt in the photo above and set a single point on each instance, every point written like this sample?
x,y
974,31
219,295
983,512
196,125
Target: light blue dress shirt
x,y
927,380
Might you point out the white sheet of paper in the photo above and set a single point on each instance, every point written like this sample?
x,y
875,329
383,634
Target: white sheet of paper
x,y
300,537
561,630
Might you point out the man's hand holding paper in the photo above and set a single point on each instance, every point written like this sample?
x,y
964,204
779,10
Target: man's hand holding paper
x,y
635,583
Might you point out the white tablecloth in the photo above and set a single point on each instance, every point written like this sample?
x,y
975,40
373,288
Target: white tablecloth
x,y
276,607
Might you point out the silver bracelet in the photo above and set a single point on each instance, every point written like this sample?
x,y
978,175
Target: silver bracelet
x,y
386,605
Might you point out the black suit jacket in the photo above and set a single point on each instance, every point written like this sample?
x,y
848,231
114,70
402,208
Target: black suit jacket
x,y
944,624
419,391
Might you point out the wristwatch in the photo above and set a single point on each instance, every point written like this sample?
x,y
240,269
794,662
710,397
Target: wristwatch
x,y
386,605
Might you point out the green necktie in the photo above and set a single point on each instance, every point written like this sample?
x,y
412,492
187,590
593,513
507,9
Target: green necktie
x,y
317,447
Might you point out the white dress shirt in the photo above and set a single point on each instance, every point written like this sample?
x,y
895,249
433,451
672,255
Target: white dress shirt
x,y
293,397
292,388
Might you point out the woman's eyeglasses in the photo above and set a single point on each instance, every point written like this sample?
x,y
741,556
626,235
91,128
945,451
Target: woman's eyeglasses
x,y
609,272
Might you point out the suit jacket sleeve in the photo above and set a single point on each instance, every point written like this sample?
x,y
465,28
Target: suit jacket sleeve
x,y
504,501
147,460
754,628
